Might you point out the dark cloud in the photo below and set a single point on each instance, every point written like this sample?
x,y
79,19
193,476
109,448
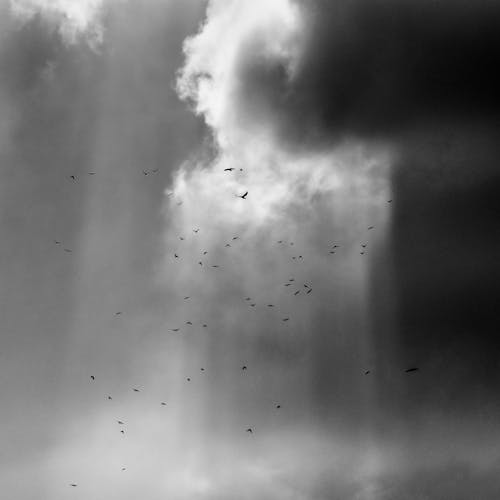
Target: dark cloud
x,y
379,69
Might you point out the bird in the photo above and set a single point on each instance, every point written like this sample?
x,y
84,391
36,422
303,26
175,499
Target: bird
x,y
278,406
280,241
174,329
109,397
120,422
252,305
409,370
332,251
364,245
389,201
291,279
204,326
188,323
202,369
68,250
309,291
235,238
242,196
371,227
367,372
176,256
118,313
74,485
136,390
270,305
195,230
181,238
163,403
92,377
306,286
205,252
215,266
248,298
123,468
244,367
297,292
73,177
286,319
287,284
91,173
185,298
230,169
57,242
249,430
227,245
361,253
188,379
123,432
200,263
145,172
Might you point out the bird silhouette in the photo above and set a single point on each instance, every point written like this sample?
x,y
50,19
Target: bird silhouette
x,y
202,369
163,403
204,326
73,177
188,379
123,432
74,485
118,313
188,323
249,430
68,250
367,372
120,422
92,377
215,266
287,284
123,468
389,201
243,196
181,238
136,390
270,305
174,329
278,406
252,305
195,230
309,291
363,245
371,227
286,319
185,298
234,238
110,398
230,169
176,256
91,173
205,252
297,292
227,245
244,367
57,242
409,370
200,263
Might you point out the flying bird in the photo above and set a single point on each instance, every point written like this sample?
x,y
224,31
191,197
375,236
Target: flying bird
x,y
235,238
389,201
202,369
163,403
136,390
188,379
120,422
188,323
227,245
409,370
73,177
123,432
244,367
278,406
195,230
309,291
249,430
297,292
91,173
252,305
109,397
92,377
367,372
371,227
74,485
176,256
181,238
287,284
57,242
286,319
204,326
205,253
230,169
242,196
68,250
185,298
270,305
118,313
200,263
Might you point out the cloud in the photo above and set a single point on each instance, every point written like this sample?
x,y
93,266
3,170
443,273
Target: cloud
x,y
73,19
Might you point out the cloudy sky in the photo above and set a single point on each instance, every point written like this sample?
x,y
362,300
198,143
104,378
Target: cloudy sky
x,y
365,133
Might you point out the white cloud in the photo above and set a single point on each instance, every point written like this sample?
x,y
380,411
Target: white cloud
x,y
73,18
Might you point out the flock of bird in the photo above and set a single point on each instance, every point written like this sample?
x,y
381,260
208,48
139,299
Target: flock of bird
x,y
305,289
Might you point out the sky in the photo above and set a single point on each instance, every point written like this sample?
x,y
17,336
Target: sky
x,y
153,314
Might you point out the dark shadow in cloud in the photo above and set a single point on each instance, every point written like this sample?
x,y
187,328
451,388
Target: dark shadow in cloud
x,y
378,69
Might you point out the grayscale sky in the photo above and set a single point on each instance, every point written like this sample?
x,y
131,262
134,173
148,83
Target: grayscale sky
x,y
365,134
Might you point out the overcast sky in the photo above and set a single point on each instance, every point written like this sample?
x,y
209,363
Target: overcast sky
x,y
365,133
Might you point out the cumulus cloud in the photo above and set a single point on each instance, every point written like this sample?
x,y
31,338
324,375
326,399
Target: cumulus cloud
x,y
74,19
